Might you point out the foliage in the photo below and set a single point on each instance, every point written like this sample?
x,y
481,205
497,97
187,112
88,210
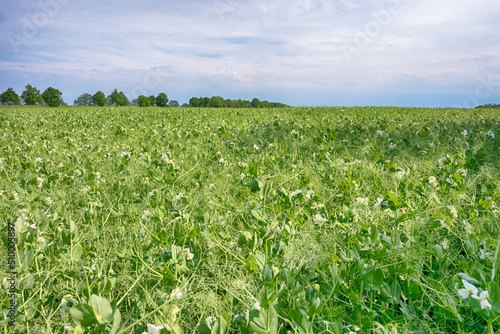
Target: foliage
x,y
31,95
219,102
118,99
162,100
173,104
84,100
143,101
99,99
290,220
52,97
490,105
10,96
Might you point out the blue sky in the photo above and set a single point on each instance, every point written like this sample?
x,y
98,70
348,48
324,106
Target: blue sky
x,y
308,52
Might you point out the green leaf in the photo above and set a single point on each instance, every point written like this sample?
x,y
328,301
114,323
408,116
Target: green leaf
x,y
76,253
494,292
82,314
438,252
117,318
252,263
254,186
314,307
258,214
28,282
267,275
469,279
391,197
213,325
264,321
266,188
102,309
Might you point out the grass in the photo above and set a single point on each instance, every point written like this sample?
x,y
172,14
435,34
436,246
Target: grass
x,y
264,220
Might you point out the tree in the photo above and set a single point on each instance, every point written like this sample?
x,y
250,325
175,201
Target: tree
x,y
194,102
52,97
217,102
31,95
184,105
255,103
161,100
143,101
99,99
173,104
152,98
118,98
84,100
10,96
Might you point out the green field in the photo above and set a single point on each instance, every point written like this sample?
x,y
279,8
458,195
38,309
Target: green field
x,y
292,220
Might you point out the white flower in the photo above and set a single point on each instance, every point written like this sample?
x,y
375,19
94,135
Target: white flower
x,y
40,239
362,200
146,214
483,298
49,201
39,182
175,311
491,134
257,306
378,205
310,194
465,133
468,290
152,329
242,176
176,293
255,147
39,160
453,211
433,181
380,133
317,206
67,299
189,255
221,160
319,219
166,159
399,174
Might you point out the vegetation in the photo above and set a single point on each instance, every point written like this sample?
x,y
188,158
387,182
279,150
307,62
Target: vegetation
x,y
219,102
10,96
52,97
289,220
491,105
31,95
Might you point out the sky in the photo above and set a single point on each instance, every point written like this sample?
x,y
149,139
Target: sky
x,y
410,53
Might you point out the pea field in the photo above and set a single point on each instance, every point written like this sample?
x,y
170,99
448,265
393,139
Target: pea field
x,y
288,220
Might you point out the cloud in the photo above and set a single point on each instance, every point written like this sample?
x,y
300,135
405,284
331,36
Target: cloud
x,y
322,47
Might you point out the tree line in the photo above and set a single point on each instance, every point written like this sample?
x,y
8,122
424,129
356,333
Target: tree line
x,y
32,96
53,97
219,102
489,105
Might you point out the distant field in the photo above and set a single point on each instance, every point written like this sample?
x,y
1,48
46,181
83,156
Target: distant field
x,y
300,220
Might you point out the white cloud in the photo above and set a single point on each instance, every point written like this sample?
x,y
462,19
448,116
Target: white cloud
x,y
388,47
